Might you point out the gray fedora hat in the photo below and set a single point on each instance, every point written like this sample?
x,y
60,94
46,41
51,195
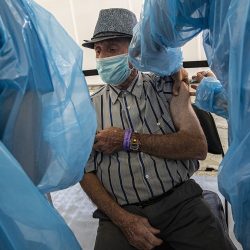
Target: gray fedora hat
x,y
112,23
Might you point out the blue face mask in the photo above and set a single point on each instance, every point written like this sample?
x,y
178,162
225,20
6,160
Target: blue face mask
x,y
113,70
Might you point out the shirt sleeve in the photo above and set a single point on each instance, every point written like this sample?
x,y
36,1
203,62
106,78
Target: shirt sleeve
x,y
163,86
91,163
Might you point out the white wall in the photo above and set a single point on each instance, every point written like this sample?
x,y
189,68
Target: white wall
x,y
79,17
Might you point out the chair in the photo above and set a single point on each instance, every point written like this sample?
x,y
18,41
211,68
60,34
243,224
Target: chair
x,y
214,147
210,130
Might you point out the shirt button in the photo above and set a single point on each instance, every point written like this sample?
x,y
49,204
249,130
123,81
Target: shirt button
x,y
158,123
147,176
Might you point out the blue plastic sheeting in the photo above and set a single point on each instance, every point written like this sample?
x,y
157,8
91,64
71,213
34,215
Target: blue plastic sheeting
x,y
27,220
226,38
146,55
212,97
47,120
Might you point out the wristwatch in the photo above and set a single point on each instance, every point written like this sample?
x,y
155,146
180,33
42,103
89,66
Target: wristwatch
x,y
135,143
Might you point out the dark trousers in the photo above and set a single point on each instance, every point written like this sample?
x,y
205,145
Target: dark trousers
x,y
183,217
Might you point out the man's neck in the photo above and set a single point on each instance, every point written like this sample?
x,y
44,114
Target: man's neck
x,y
129,81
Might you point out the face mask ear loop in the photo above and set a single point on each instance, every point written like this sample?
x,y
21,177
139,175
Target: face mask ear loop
x,y
131,69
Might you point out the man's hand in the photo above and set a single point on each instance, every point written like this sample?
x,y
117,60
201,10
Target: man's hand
x,y
136,229
109,140
178,77
139,232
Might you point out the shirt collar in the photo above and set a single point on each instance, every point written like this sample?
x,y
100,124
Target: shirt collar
x,y
135,89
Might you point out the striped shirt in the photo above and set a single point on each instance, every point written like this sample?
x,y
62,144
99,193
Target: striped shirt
x,y
132,177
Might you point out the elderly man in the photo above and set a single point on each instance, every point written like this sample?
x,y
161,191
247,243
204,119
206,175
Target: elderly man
x,y
146,148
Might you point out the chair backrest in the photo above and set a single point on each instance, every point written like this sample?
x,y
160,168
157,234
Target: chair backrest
x,y
210,130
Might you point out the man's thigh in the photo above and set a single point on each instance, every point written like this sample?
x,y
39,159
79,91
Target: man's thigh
x,y
110,237
195,227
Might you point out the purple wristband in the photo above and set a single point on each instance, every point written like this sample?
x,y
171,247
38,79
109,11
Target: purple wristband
x,y
126,139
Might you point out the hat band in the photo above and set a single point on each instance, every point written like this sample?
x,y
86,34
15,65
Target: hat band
x,y
109,34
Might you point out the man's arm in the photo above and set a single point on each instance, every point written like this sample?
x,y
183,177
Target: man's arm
x,y
137,229
189,142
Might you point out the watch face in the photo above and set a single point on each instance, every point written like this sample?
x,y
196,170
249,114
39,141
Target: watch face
x,y
134,144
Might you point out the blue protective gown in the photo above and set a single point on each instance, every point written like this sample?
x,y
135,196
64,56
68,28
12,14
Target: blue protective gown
x,y
225,26
47,125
